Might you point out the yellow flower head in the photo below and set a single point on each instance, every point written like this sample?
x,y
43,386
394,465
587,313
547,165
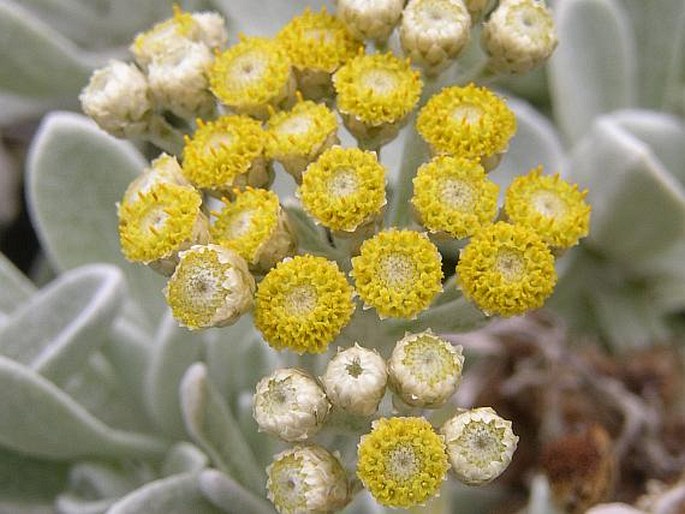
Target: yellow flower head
x,y
163,220
506,270
344,188
164,168
402,462
550,207
252,225
453,195
251,75
318,41
398,272
469,121
303,304
377,89
157,40
211,287
298,136
222,153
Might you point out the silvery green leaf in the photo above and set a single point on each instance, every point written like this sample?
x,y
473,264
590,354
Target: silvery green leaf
x,y
184,458
102,480
229,496
15,287
540,501
9,507
98,388
128,350
76,174
535,143
658,28
41,63
17,108
27,479
237,357
630,193
663,133
55,426
71,504
178,494
59,327
214,428
593,69
175,349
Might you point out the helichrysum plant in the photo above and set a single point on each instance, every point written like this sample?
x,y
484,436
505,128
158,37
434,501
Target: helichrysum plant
x,y
351,282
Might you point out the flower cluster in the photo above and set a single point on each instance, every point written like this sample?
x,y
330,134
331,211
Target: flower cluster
x,y
307,268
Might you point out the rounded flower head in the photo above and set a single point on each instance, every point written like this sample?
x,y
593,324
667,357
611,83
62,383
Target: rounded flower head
x,y
398,272
164,220
549,206
425,370
206,28
453,196
370,20
433,32
506,270
307,479
255,226
318,44
164,168
402,462
298,136
226,153
480,445
355,380
469,121
375,93
344,188
290,404
178,80
117,97
251,76
303,304
211,287
519,35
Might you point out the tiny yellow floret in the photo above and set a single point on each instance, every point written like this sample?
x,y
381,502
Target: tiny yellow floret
x,y
224,153
303,304
454,196
344,188
402,462
251,75
377,89
470,121
159,223
318,41
398,272
506,270
298,136
549,206
252,224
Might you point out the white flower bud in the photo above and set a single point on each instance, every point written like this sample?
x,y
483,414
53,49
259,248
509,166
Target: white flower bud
x,y
425,370
212,29
307,479
519,35
370,19
211,287
355,380
290,404
433,32
117,98
480,445
163,169
178,80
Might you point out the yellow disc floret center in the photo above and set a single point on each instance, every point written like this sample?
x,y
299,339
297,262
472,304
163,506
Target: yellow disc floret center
x,y
429,360
467,113
247,68
402,463
510,265
301,301
380,82
342,183
398,270
548,204
294,125
320,35
481,443
218,141
458,195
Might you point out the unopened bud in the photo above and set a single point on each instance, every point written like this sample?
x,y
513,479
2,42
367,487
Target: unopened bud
x,y
370,20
